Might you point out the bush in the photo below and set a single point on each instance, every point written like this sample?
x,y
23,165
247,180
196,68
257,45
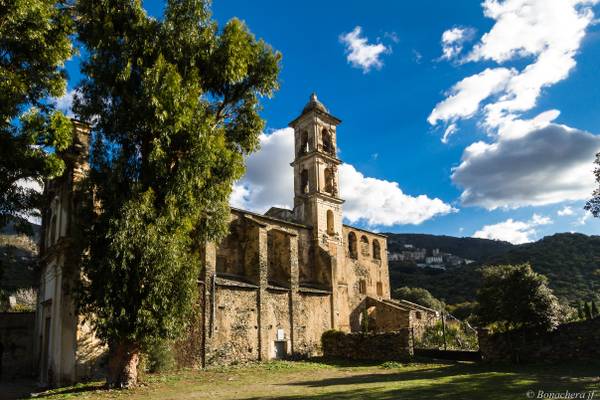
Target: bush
x,y
160,357
458,337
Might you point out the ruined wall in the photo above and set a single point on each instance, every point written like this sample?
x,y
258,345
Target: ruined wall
x,y
277,321
16,336
279,258
235,336
312,317
364,271
390,346
574,341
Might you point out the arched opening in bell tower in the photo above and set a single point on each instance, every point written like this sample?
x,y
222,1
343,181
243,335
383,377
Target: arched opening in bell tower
x,y
329,181
327,142
304,148
304,188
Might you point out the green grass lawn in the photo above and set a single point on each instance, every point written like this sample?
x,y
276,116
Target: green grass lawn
x,y
319,380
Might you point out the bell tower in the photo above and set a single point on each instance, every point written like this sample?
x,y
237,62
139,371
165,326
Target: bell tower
x,y
317,201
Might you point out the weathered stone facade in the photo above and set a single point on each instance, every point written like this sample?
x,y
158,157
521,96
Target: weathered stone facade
x,y
66,350
268,290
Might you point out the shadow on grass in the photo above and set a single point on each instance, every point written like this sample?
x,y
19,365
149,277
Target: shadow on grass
x,y
78,389
459,381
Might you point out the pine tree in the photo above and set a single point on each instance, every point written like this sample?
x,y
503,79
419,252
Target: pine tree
x,y
173,105
34,44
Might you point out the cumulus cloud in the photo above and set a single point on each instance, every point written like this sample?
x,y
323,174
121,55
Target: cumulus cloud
x,y
464,98
546,166
453,41
360,53
380,202
516,232
269,182
549,32
565,211
529,161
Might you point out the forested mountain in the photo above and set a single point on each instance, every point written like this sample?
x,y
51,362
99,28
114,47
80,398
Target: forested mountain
x,y
18,258
465,247
571,261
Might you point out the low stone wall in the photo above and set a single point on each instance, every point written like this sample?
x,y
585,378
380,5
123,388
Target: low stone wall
x,y
16,337
574,341
391,346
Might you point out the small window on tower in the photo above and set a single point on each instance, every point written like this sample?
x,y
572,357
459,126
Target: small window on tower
x,y
379,289
330,223
362,286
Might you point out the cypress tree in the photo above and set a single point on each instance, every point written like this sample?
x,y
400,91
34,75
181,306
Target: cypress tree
x,y
173,105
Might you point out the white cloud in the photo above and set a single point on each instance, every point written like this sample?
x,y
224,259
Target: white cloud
x,y
516,232
453,41
565,211
65,102
380,202
531,161
548,165
464,98
360,53
269,182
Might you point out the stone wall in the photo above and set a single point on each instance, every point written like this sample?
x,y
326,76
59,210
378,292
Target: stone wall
x,y
574,341
16,336
391,346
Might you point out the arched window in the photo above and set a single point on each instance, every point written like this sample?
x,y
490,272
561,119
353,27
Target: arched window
x,y
364,245
303,143
304,188
352,245
329,182
376,250
53,230
330,223
327,143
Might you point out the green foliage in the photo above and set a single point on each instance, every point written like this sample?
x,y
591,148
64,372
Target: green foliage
x,y
465,311
458,337
160,357
418,295
593,205
514,296
173,105
34,44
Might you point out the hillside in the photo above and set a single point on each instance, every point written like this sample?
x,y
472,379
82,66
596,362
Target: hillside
x,y
465,247
570,261
18,254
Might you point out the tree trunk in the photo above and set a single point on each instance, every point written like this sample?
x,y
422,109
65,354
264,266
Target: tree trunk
x,y
122,365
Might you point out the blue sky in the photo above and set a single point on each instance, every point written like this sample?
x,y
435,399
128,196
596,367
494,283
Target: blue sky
x,y
526,179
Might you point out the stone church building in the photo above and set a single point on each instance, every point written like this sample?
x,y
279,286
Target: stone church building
x,y
268,290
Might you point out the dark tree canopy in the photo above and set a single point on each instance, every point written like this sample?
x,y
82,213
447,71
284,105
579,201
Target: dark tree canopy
x,y
34,44
514,296
418,295
173,105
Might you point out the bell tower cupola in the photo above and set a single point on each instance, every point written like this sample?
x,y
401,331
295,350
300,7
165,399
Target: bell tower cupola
x,y
317,200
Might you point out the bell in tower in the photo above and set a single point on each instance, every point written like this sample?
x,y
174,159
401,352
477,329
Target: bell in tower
x,y
317,201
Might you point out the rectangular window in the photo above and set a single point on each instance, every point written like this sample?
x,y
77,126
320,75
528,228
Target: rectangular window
x,y
379,289
362,286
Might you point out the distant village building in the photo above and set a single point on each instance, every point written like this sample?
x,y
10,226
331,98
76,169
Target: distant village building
x,y
268,290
